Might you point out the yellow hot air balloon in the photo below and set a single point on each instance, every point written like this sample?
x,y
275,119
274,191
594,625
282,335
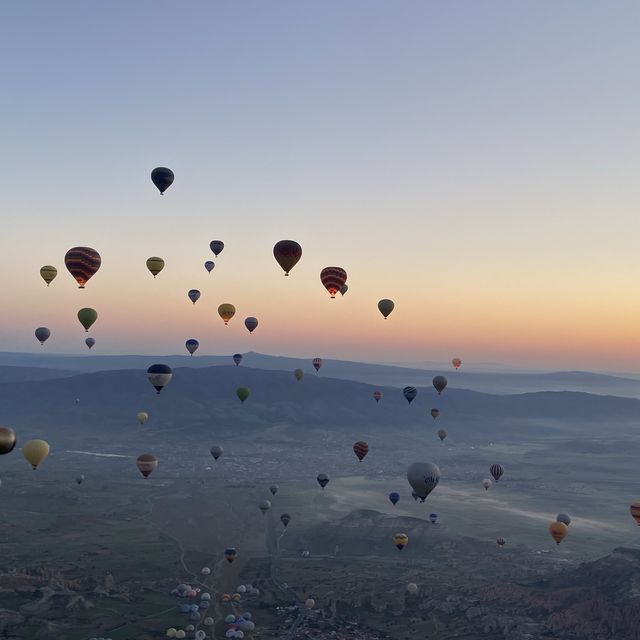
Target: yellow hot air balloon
x,y
155,265
143,416
35,452
226,311
558,531
400,540
48,273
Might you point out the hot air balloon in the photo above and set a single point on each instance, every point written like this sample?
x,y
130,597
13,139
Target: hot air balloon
x,y
456,362
35,452
501,542
192,345
317,363
435,413
193,295
42,334
155,265
287,254
87,317
377,396
79,478
205,571
394,497
163,178
216,246
433,517
7,440
442,434
274,489
496,470
264,506
439,383
400,540
386,307
90,342
242,393
323,479
285,518
159,376
48,273
333,278
216,451
147,463
299,374
82,263
410,393
563,517
361,449
226,311
634,508
486,483
142,416
343,289
423,478
237,358
412,588
309,603
209,265
558,531
251,323
230,554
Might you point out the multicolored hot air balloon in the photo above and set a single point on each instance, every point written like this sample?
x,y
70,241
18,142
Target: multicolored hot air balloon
x,y
216,451
394,498
486,483
439,384
142,417
323,479
35,452
377,396
563,517
155,265
317,363
7,440
386,307
237,358
410,394
496,470
242,393
298,374
285,518
558,531
332,279
226,311
159,376
287,254
442,434
361,449
634,510
423,478
216,246
82,263
192,345
209,265
193,295
42,334
400,540
435,413
230,554
251,323
457,363
90,342
48,273
147,463
87,317
163,178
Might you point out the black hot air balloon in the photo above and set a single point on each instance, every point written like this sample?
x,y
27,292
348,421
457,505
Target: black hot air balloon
x,y
163,178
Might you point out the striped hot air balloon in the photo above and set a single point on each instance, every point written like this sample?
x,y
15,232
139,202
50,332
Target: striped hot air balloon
x,y
361,449
332,279
82,263
496,470
410,394
400,540
317,363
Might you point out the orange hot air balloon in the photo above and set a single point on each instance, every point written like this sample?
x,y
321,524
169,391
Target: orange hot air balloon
x,y
558,531
634,510
332,279
226,311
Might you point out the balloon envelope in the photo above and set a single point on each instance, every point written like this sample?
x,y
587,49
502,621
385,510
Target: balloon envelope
x,y
242,393
82,263
35,452
323,479
497,471
209,265
423,478
299,374
159,376
147,463
563,517
287,254
193,295
87,317
442,434
410,394
251,323
48,273
400,540
42,334
90,342
386,307
163,178
7,440
237,358
216,246
558,531
332,279
226,311
394,497
285,518
361,449
216,451
457,363
142,417
317,363
155,265
439,383
192,345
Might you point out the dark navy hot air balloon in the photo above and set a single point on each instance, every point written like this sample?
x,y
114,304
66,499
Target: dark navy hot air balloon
x,y
163,178
394,497
410,394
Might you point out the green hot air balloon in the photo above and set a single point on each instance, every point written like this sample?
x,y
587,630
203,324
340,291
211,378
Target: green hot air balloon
x,y
386,307
87,317
242,393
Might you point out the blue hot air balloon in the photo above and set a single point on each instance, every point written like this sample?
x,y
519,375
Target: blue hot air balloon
x,y
394,496
433,517
209,265
410,393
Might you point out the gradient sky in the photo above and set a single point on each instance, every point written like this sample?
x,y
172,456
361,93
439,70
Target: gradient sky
x,y
477,162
